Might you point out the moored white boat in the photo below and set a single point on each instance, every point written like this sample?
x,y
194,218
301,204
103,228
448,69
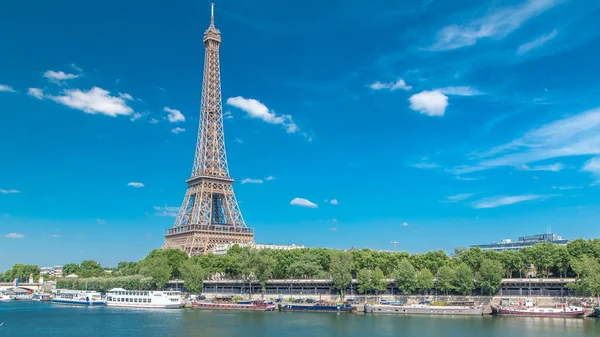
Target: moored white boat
x,y
119,297
6,298
41,297
75,297
425,309
529,310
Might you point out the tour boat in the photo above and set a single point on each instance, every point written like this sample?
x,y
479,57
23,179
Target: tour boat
x,y
40,297
317,307
242,305
6,298
119,297
92,298
529,310
425,309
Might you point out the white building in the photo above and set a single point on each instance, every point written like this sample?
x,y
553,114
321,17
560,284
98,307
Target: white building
x,y
222,249
55,271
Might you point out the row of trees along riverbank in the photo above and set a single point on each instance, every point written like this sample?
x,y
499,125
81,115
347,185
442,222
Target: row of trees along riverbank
x,y
465,272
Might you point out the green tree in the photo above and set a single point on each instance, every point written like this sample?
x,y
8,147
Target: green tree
x,y
89,268
193,275
125,268
425,280
341,271
489,276
365,281
263,267
406,277
580,248
472,258
306,267
562,261
459,250
158,268
175,258
587,283
511,262
70,268
542,256
378,281
22,272
463,281
445,279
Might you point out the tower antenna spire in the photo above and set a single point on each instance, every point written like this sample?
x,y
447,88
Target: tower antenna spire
x,y
212,14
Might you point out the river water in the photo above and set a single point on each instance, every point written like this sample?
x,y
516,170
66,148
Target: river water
x,y
24,318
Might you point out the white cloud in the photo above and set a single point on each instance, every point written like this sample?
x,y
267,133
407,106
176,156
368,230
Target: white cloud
x,y
460,91
9,191
228,115
255,109
400,84
177,130
53,235
578,135
334,220
459,197
126,96
303,203
136,116
95,100
174,116
153,121
14,236
334,202
495,25
466,178
540,41
135,184
507,200
166,211
6,88
565,188
251,181
100,221
269,178
552,167
333,229
57,76
430,103
35,92
404,224
425,165
593,166
239,140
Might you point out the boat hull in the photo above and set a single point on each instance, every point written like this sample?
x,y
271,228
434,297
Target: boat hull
x,y
529,313
315,308
232,306
425,310
75,302
145,306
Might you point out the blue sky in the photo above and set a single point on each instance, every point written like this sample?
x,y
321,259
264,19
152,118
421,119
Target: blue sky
x,y
434,123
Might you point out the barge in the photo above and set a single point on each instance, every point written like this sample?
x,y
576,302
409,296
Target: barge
x,y
242,305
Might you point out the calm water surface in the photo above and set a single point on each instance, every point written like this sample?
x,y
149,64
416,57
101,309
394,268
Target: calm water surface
x,y
23,318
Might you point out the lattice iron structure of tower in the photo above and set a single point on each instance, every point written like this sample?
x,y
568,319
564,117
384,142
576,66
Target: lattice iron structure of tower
x,y
209,214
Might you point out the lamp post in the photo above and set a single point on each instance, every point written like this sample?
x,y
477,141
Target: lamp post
x,y
394,243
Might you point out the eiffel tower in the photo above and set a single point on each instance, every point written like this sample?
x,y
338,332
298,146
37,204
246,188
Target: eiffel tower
x,y
209,214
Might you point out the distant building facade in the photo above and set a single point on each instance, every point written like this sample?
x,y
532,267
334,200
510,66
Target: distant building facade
x,y
522,242
55,271
221,249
